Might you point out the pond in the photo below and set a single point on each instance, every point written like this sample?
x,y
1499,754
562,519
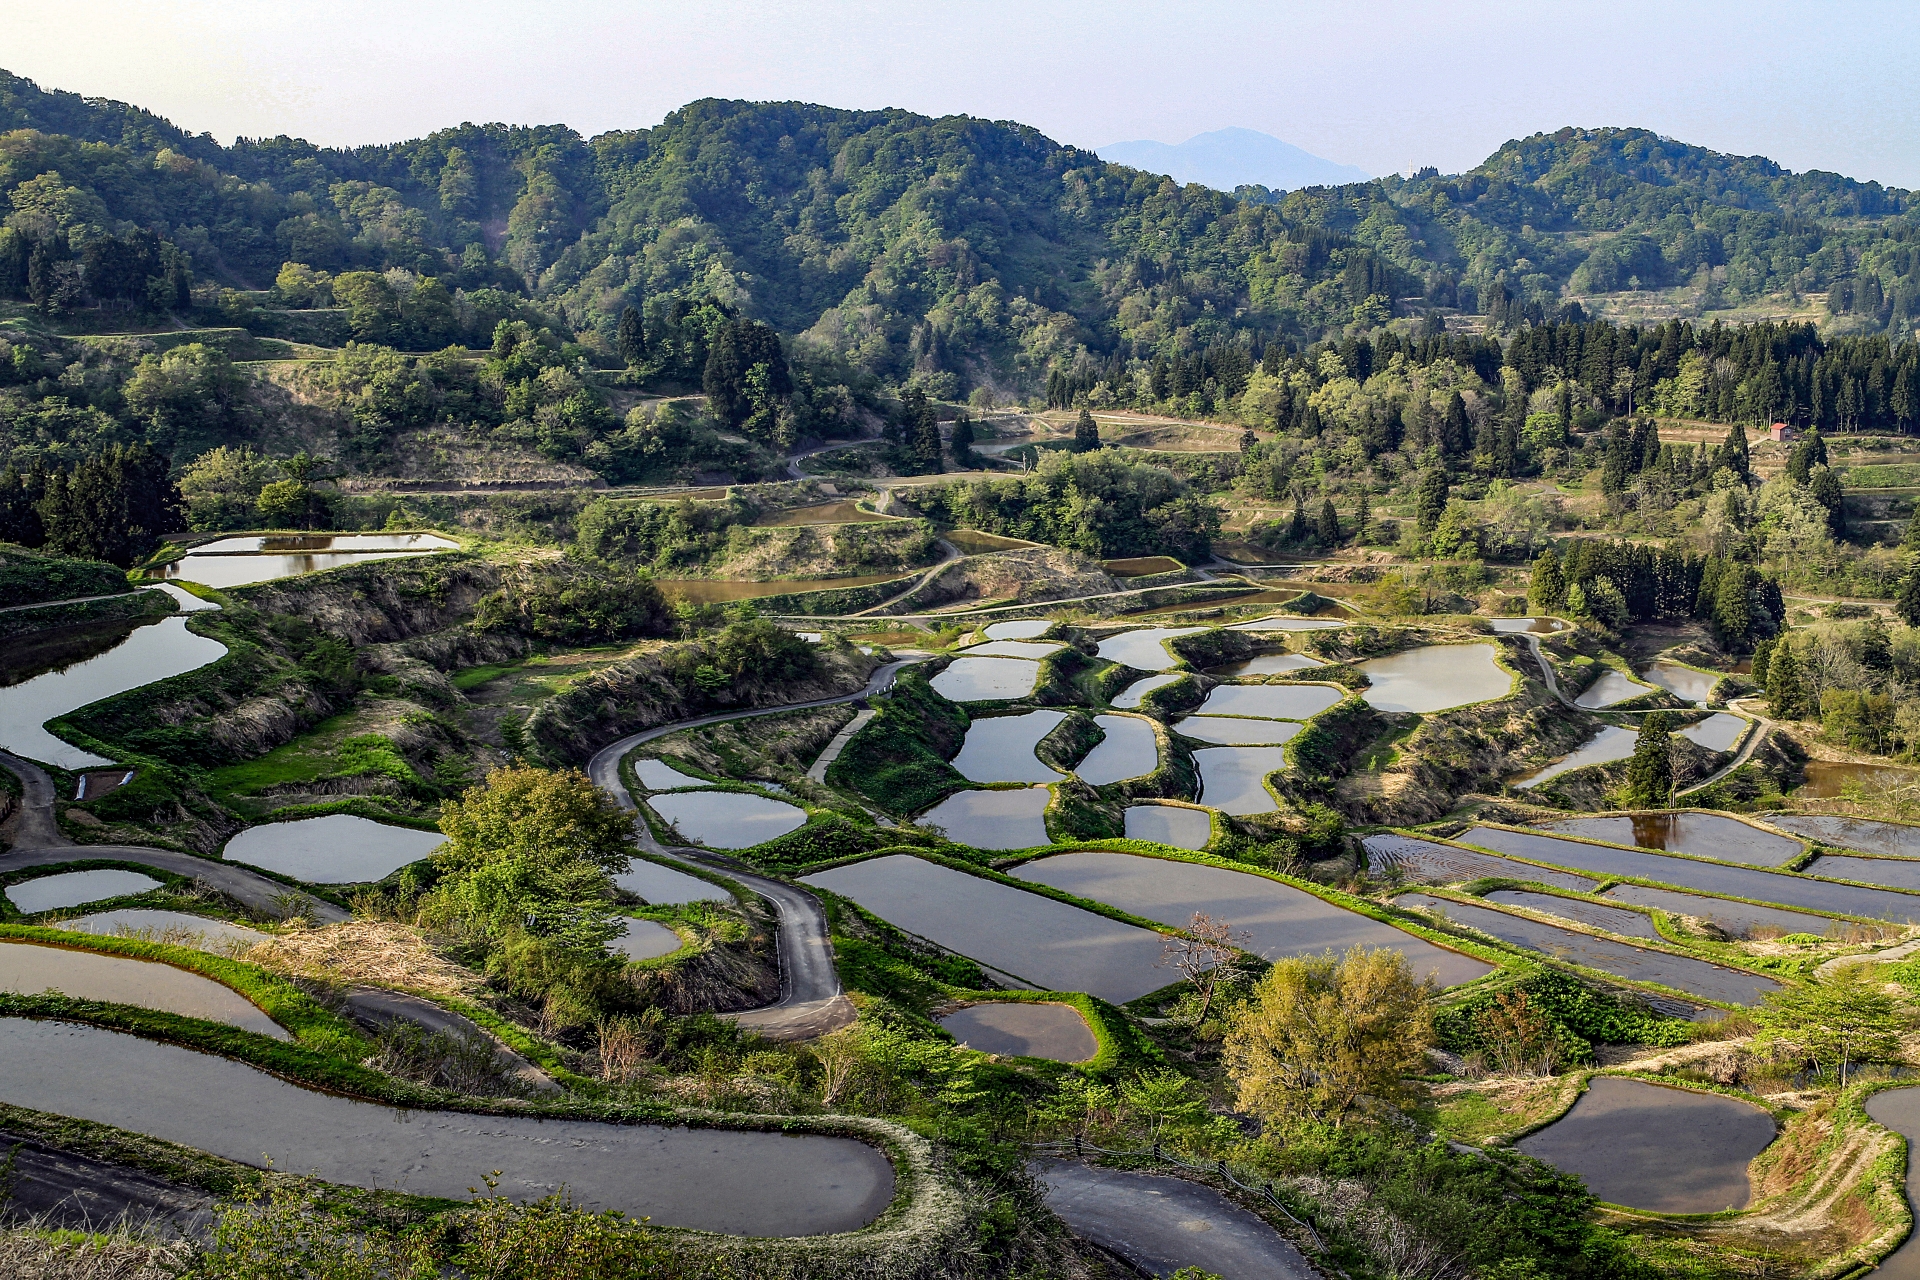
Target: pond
x,y
1755,884
744,1183
1684,681
1130,698
337,849
72,888
1665,1150
176,927
1233,779
1435,677
1718,732
1894,839
1141,566
1610,688
1735,917
663,886
658,775
644,940
1267,664
1278,919
1023,1029
1829,779
1682,973
1900,873
725,590
1445,864
1128,751
1271,701
1237,731
727,819
1002,819
1169,824
1705,835
821,513
1281,622
1024,629
1000,748
1631,924
26,969
1611,743
1031,649
1522,626
986,679
1052,944
233,562
1899,1110
150,652
1145,649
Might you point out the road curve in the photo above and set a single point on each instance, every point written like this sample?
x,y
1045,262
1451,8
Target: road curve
x,y
811,1002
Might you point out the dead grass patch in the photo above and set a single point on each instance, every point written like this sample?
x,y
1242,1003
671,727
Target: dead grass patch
x,y
378,951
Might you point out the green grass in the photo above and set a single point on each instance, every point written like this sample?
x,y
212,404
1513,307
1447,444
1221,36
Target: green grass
x,y
474,677
314,754
1883,475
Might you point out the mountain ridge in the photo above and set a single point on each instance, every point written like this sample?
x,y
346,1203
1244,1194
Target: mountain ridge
x,y
1227,159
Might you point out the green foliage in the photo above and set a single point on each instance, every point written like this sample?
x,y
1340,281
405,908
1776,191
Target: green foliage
x,y
900,760
1650,771
582,605
826,836
1580,1015
29,577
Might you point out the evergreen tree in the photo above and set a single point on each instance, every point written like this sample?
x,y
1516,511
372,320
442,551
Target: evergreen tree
x,y
1362,517
1826,490
1761,652
1328,529
1455,429
1650,772
1431,500
1547,588
1786,696
1297,529
113,506
1912,539
1566,409
1617,465
919,432
632,340
1732,611
1248,440
961,441
1086,433
1907,603
1733,451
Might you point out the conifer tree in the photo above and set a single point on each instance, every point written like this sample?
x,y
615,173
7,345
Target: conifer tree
x,y
1650,772
1907,603
1455,429
632,340
1297,529
1547,589
1761,652
1362,517
1785,695
1086,433
1431,500
1328,530
1566,409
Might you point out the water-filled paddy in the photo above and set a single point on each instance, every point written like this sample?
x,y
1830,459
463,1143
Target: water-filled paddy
x,y
1899,1110
1280,622
1894,839
1036,939
73,888
1129,698
336,849
663,886
1709,877
1024,629
1000,748
150,652
1445,864
26,969
1611,743
986,679
713,1179
1128,751
1233,779
1610,688
727,819
1688,683
1705,835
658,775
1829,779
1718,732
233,562
1683,973
1271,701
1237,731
1650,1147
1169,824
644,940
1018,1028
1522,626
1618,920
1033,650
1734,917
1267,664
1435,677
1901,873
1145,649
1279,919
177,927
1140,566
1003,819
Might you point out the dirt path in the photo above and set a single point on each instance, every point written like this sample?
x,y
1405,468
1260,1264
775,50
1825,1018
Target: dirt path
x,y
1752,744
375,1005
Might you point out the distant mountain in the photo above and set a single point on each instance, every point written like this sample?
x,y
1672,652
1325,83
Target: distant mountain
x,y
1229,158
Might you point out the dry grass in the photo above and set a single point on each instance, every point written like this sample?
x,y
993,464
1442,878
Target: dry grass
x,y
32,1255
378,951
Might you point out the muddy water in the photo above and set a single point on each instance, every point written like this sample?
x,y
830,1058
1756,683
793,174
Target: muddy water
x,y
1705,835
1271,701
1630,924
233,562
1285,623
986,679
823,513
663,886
1027,629
1034,650
1829,779
1233,779
1610,688
727,819
1058,946
1718,732
1688,683
26,969
723,590
1665,1150
1611,743
1444,864
1278,919
1010,819
1145,649
1169,824
1435,677
1128,751
177,927
1000,748
1267,664
1900,873
1682,973
72,888
644,940
1237,731
764,1184
1534,626
1129,699
1022,1029
1140,566
658,775
1899,1110
1734,917
151,652
336,849
1896,840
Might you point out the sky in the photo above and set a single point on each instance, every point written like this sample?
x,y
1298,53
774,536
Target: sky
x,y
1385,85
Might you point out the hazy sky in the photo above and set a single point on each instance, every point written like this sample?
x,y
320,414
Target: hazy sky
x,y
1380,84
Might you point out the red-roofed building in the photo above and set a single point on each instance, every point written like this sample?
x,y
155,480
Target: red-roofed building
x,y
1781,431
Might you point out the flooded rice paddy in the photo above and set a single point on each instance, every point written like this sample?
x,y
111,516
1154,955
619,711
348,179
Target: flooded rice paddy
x,y
1128,751
1734,917
1682,973
727,819
1705,835
1630,924
74,888
234,562
726,590
1829,779
1271,701
1025,1029
1280,622
1899,873
1169,824
1001,819
1435,677
1279,920
337,849
1524,626
644,940
1445,864
26,969
658,775
1145,649
1129,698
1610,688
986,679
1233,779
1899,1110
1000,748
1894,839
1684,681
1140,566
663,886
763,1184
150,652
1055,945
1611,743
1237,730
1267,664
177,927
1030,649
1025,629
1718,732
1656,1148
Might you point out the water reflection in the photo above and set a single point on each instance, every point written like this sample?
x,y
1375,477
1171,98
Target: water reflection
x,y
1610,688
1271,701
233,562
1025,629
1233,779
1129,699
339,848
1619,920
1128,751
73,888
1611,743
1025,1029
644,940
1144,650
1718,732
1169,824
1237,731
1694,686
1000,748
1535,626
986,679
1706,835
1001,819
727,819
1435,677
26,969
1267,664
1829,779
1891,838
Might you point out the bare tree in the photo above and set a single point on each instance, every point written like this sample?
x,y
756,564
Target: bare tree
x,y
1207,956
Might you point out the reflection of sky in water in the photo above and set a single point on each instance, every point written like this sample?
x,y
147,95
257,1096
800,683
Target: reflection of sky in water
x,y
1025,629
1611,743
1169,824
1140,688
235,571
1434,677
1000,748
1233,779
1610,688
1128,751
1007,819
71,888
727,819
339,848
1144,650
985,679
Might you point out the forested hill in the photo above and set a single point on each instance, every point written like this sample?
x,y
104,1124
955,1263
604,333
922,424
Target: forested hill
x,y
910,245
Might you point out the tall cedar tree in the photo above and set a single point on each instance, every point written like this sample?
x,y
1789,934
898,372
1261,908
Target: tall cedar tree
x,y
1086,433
632,340
113,506
1328,529
1455,429
1431,501
738,348
919,432
1650,772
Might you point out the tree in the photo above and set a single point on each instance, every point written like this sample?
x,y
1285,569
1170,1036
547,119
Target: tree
x,y
1362,517
113,506
1547,588
960,441
1086,433
1834,1021
1324,1032
919,431
222,487
734,395
1456,431
1761,652
1431,499
534,850
1206,956
1786,696
1733,451
1826,490
1519,1037
1907,603
1327,528
632,338
1650,772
